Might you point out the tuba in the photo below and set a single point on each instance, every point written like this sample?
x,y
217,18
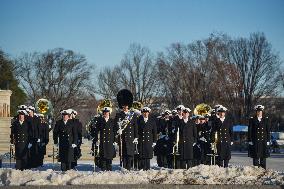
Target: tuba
x,y
44,106
104,103
136,105
202,109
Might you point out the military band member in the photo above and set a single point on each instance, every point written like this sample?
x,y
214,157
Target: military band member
x,y
64,130
174,158
147,137
78,127
128,135
259,137
187,139
105,129
223,126
34,151
203,140
94,148
44,138
21,138
163,149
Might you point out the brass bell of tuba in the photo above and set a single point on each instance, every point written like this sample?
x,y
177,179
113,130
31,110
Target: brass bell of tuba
x,y
104,103
202,109
44,106
136,105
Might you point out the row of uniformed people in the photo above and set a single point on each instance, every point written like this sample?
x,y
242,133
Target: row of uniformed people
x,y
214,128
136,138
29,135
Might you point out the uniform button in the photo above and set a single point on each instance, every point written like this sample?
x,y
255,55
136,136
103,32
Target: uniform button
x,y
109,129
148,140
104,129
143,140
184,141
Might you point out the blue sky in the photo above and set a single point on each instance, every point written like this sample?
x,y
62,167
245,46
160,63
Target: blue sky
x,y
103,30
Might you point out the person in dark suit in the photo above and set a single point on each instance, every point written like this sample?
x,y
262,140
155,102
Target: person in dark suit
x,y
223,126
187,139
259,137
104,138
78,127
65,131
128,135
21,137
34,151
147,137
162,149
44,138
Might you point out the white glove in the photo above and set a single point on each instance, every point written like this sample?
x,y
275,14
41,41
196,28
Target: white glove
x,y
42,144
38,140
56,145
114,143
154,144
119,131
194,144
49,126
74,145
173,131
232,143
30,145
166,137
267,143
135,141
250,143
203,139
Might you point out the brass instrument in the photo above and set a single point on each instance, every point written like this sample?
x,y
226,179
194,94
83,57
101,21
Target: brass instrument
x,y
136,105
214,149
176,148
202,109
44,106
104,103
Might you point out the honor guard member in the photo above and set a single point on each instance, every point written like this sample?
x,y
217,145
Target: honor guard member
x,y
128,135
173,136
34,151
78,127
223,126
187,139
203,140
147,137
162,149
92,130
44,138
105,129
259,137
21,138
64,130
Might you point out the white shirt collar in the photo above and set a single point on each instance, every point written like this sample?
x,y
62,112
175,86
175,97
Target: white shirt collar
x,y
222,119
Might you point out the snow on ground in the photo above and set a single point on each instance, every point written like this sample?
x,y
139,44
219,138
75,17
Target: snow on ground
x,y
203,174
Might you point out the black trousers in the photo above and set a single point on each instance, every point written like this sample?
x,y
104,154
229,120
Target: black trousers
x,y
144,164
127,162
260,162
106,164
65,166
21,164
162,161
136,161
223,163
186,164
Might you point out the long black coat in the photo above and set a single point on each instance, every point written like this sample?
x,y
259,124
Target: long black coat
x,y
78,128
128,134
44,137
147,133
34,123
107,132
225,135
187,137
21,137
259,134
67,136
164,145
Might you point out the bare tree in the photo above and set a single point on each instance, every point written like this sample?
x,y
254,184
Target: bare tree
x,y
59,75
136,72
257,66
